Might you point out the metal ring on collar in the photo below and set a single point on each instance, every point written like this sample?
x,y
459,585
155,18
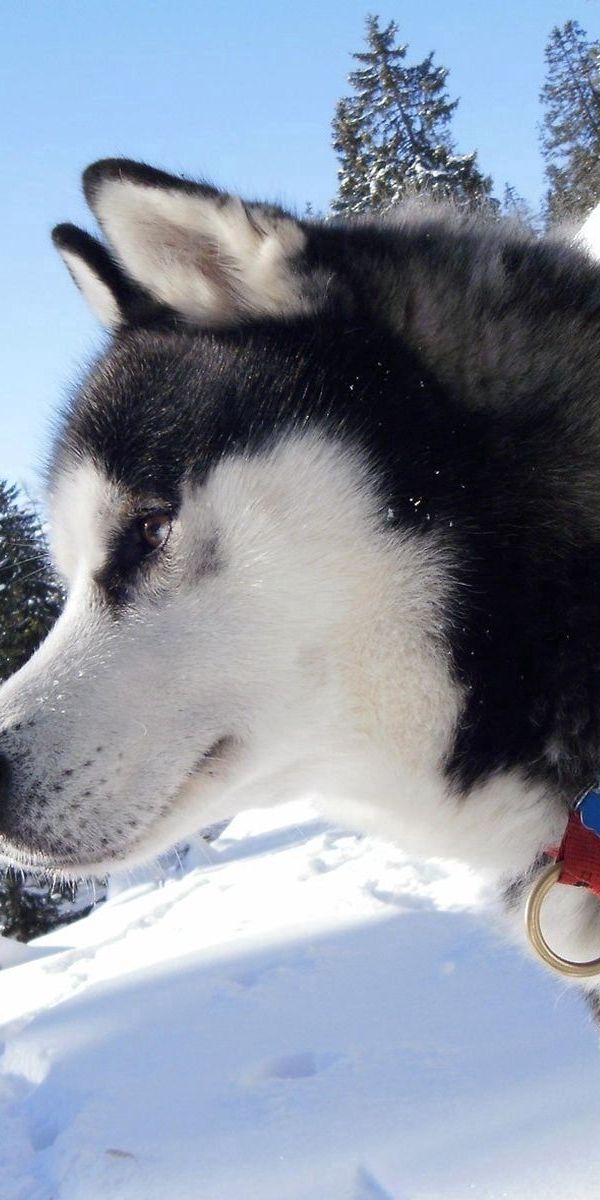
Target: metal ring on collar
x,y
533,908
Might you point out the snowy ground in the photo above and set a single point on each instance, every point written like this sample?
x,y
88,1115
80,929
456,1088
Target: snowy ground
x,y
303,1015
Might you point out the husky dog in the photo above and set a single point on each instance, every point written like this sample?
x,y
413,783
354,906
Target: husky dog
x,y
328,512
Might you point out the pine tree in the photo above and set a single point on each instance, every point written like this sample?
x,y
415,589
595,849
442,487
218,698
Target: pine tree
x,y
570,133
30,599
31,905
393,137
517,209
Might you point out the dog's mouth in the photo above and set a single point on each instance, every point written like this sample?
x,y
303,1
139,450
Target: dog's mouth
x,y
219,755
178,817
175,820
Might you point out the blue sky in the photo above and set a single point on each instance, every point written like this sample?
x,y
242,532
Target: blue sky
x,y
240,93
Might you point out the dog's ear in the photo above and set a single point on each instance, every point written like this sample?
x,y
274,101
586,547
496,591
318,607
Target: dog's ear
x,y
113,297
206,255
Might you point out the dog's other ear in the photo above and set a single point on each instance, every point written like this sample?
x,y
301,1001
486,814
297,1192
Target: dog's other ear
x,y
113,298
205,254
94,272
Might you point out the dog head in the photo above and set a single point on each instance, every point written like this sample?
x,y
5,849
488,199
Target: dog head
x,y
222,527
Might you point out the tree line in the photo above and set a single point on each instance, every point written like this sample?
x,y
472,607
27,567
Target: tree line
x,y
393,138
393,133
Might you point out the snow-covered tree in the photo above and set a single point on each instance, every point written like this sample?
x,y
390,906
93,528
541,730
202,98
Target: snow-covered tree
x,y
570,132
393,134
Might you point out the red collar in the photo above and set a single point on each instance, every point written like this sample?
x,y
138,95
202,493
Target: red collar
x,y
579,851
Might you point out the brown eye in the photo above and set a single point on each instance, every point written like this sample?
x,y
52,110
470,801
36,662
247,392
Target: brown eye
x,y
156,529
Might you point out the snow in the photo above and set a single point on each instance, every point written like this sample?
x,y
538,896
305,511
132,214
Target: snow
x,y
302,1014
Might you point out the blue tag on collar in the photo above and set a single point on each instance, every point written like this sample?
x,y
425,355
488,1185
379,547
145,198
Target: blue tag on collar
x,y
588,809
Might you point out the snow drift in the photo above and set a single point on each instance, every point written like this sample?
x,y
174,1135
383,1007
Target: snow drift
x,y
304,1014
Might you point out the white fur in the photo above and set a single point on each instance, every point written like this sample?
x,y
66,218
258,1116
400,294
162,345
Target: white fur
x,y
87,509
211,261
94,290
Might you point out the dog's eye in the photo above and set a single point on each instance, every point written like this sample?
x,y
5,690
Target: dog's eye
x,y
155,529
